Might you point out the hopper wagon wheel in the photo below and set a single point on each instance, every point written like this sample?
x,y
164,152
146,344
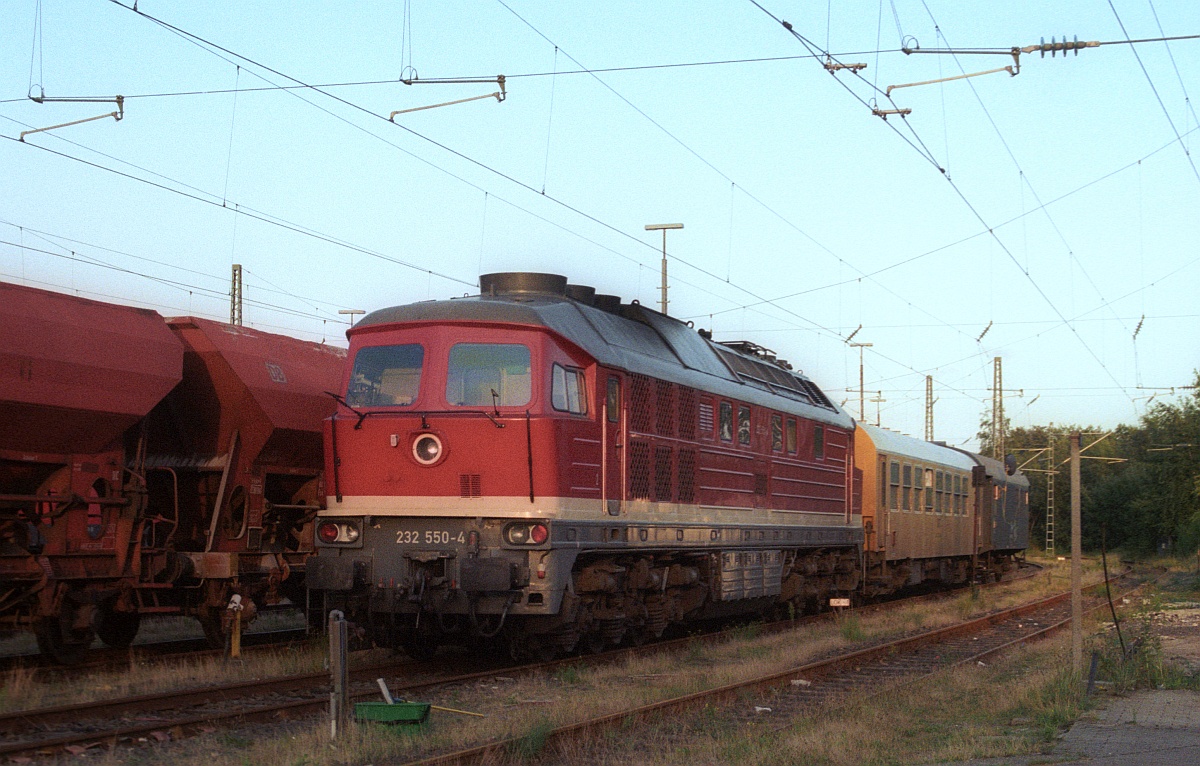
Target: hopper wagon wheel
x,y
116,629
65,646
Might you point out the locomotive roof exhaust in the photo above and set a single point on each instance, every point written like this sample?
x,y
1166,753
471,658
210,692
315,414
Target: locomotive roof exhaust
x,y
534,283
522,282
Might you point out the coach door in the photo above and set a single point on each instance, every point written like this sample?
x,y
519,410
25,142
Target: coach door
x,y
613,416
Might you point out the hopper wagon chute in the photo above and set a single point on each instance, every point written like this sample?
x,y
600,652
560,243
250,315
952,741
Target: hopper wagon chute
x,y
235,465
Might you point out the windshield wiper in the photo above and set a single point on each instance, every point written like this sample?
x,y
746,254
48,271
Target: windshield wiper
x,y
361,415
495,409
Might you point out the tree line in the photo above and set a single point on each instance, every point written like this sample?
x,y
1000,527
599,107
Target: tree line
x,y
1148,503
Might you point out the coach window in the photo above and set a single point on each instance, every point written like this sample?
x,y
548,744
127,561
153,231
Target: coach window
x,y
488,374
819,442
883,482
385,376
568,390
793,443
907,486
726,422
940,480
895,480
777,433
928,490
743,424
613,400
917,474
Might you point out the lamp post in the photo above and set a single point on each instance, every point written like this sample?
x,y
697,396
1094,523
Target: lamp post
x,y
663,227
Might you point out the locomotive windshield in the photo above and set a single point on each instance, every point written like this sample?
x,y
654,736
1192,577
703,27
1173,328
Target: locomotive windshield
x,y
488,374
386,376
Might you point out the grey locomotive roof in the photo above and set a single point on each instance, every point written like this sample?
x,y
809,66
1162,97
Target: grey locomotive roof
x,y
896,444
657,345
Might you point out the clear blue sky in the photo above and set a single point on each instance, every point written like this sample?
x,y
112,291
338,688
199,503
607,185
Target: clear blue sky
x,y
806,216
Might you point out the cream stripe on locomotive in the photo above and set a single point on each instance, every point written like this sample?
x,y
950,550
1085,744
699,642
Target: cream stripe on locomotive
x,y
574,509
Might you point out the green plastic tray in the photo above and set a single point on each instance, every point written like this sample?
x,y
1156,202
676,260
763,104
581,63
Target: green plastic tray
x,y
398,712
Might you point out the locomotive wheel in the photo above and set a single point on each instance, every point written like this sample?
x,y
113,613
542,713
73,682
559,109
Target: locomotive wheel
x,y
593,643
116,629
64,647
420,646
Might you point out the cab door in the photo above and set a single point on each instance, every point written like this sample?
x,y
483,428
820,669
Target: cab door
x,y
614,417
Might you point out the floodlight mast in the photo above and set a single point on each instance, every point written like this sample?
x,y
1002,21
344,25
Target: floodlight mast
x,y
663,227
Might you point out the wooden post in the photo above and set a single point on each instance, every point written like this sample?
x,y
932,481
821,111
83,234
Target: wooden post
x,y
339,697
1076,558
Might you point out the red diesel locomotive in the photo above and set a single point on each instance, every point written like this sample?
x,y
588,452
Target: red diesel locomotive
x,y
558,469
550,464
150,467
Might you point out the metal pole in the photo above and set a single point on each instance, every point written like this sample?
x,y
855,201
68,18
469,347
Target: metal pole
x,y
1076,559
862,397
663,227
663,300
862,403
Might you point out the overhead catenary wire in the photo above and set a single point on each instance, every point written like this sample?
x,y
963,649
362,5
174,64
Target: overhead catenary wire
x,y
1157,97
220,279
78,257
1013,157
617,82
761,203
962,240
206,44
481,78
257,216
970,206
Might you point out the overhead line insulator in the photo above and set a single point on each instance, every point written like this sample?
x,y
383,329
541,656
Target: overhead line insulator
x,y
835,66
1066,45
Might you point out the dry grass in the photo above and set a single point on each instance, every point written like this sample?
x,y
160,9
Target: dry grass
x,y
896,728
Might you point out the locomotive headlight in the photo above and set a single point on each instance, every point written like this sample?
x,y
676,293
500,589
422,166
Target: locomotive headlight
x,y
526,534
427,449
334,532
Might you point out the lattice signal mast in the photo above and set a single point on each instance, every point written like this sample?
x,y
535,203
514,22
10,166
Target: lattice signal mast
x,y
997,410
928,408
1050,495
235,296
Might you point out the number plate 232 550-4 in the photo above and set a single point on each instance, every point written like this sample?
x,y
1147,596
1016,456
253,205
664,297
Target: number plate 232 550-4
x,y
429,537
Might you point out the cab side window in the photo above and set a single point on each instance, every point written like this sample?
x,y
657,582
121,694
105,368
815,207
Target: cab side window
x,y
568,390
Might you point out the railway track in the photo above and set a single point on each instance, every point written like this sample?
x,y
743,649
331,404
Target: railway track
x,y
106,658
806,688
181,713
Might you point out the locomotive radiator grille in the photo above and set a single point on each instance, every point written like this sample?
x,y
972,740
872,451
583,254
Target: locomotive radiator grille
x,y
688,399
687,475
639,470
662,474
640,405
664,408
